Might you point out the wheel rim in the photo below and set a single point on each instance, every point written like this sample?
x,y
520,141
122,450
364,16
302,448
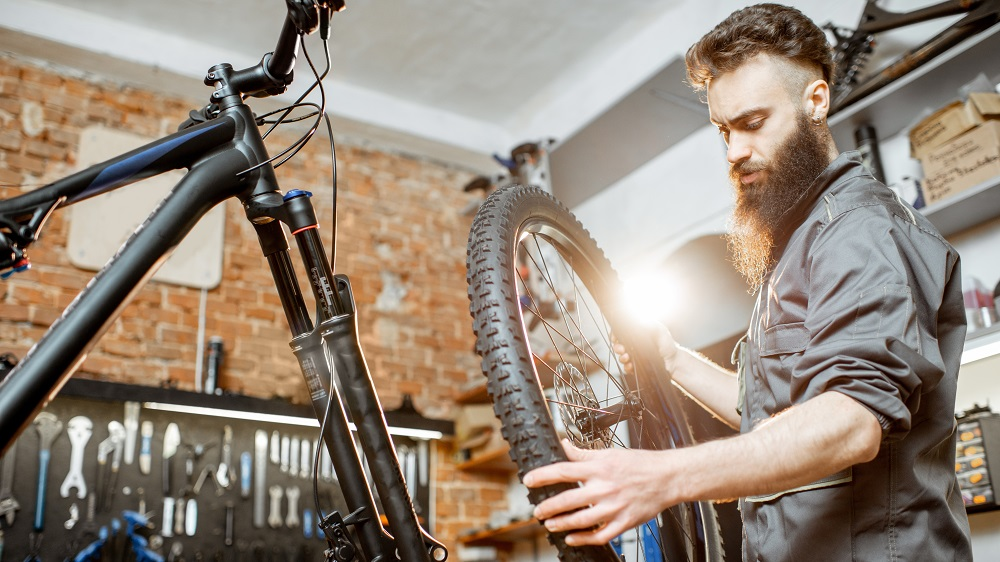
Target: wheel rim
x,y
593,402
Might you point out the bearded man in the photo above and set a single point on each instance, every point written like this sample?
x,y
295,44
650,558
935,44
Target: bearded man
x,y
845,390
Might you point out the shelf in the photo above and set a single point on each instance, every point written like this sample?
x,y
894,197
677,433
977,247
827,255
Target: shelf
x,y
479,395
474,395
981,344
897,106
497,460
504,536
966,209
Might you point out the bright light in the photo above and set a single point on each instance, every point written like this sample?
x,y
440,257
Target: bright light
x,y
651,297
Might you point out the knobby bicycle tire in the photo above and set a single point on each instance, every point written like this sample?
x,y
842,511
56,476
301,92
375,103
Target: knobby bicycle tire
x,y
524,247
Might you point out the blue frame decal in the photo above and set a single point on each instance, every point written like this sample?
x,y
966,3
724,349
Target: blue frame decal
x,y
118,173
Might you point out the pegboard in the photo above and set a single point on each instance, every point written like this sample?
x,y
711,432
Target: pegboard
x,y
250,542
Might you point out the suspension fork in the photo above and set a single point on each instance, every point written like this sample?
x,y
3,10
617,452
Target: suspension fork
x,y
336,336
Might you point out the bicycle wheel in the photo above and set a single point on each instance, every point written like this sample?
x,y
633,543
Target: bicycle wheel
x,y
543,299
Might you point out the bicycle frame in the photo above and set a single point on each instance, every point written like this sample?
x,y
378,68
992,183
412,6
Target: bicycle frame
x,y
226,157
852,51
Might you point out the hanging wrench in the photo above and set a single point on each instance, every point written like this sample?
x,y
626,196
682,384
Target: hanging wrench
x,y
286,445
8,505
292,520
293,457
275,448
107,479
131,429
274,517
306,460
146,447
79,430
259,477
49,427
226,474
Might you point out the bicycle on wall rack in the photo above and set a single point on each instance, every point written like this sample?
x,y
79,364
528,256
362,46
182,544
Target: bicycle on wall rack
x,y
545,306
854,47
223,150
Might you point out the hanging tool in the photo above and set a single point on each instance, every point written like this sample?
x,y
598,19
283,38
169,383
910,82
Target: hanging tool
x,y
171,440
49,427
89,528
230,517
275,448
326,470
293,457
226,474
274,516
292,519
305,460
246,462
191,518
179,512
146,448
74,517
260,466
108,478
307,523
8,504
131,428
286,444
79,430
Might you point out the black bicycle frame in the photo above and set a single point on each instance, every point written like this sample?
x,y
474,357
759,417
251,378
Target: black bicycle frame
x,y
980,16
224,157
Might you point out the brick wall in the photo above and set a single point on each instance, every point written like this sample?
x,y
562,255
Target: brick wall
x,y
402,241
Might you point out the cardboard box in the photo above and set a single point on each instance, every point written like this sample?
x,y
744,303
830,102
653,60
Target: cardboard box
x,y
951,121
966,161
477,430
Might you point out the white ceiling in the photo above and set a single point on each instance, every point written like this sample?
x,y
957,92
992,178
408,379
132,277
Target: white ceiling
x,y
481,75
456,79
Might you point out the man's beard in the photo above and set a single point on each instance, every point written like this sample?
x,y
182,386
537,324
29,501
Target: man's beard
x,y
760,207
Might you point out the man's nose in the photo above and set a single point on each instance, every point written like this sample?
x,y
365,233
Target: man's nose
x,y
737,150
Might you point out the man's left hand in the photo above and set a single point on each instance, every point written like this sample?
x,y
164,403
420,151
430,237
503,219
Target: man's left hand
x,y
619,489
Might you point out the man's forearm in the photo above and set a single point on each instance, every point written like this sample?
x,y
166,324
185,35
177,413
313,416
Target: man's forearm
x,y
815,439
715,388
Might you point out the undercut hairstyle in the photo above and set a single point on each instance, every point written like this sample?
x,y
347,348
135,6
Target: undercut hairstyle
x,y
769,29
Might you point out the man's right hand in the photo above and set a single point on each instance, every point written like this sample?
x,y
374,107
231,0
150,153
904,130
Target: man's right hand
x,y
665,344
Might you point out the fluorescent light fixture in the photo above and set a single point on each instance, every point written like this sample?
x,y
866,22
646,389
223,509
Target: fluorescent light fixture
x,y
276,418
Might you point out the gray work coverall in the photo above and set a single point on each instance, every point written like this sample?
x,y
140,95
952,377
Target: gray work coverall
x,y
865,300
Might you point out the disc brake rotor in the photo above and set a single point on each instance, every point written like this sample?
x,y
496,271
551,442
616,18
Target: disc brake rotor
x,y
578,408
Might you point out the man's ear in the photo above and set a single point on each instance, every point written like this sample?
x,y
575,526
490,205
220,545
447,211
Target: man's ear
x,y
816,100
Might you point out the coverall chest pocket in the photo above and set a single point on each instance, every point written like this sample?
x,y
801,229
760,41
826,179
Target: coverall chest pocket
x,y
779,349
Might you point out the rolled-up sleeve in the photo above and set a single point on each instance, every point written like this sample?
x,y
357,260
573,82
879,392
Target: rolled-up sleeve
x,y
864,322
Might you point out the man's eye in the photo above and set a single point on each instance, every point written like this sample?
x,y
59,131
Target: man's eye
x,y
754,125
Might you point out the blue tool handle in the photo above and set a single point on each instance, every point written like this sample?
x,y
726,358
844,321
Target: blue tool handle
x,y
43,478
245,463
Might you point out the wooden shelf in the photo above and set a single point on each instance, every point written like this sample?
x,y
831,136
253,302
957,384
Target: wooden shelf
x,y
497,460
474,395
505,536
478,394
966,209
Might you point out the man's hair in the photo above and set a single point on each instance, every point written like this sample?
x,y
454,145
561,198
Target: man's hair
x,y
770,29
